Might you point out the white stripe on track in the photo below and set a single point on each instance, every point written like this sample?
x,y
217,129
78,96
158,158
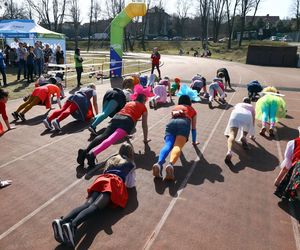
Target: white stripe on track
x,y
47,203
169,209
291,208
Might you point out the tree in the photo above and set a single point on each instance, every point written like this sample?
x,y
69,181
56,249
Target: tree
x,y
256,4
296,12
90,24
203,11
144,25
75,16
246,7
217,16
13,11
183,7
114,7
231,18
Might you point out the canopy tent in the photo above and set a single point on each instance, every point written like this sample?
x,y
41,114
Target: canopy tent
x,y
15,31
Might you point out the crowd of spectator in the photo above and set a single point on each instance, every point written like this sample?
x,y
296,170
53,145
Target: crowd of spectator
x,y
29,61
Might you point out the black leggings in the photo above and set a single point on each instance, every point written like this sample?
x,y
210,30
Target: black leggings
x,y
97,201
157,67
100,138
79,70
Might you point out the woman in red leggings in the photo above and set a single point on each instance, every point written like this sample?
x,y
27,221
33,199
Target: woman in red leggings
x,y
77,105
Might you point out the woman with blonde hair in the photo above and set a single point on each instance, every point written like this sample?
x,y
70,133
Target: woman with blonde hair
x,y
269,109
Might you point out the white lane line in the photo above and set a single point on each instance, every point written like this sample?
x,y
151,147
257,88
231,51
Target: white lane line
x,y
47,203
169,209
29,216
291,208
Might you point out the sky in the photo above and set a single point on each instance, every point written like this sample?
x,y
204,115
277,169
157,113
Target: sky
x,y
280,8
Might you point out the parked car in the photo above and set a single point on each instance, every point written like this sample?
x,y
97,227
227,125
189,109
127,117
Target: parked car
x,y
177,38
223,40
274,38
161,38
286,39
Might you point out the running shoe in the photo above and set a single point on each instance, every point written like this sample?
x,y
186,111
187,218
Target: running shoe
x,y
57,230
81,156
56,125
262,131
15,116
22,117
156,170
68,230
169,173
91,159
210,104
244,143
228,158
92,130
271,132
47,124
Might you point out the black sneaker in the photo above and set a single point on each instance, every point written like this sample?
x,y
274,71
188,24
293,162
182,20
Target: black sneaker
x,y
68,230
57,230
92,130
81,156
91,159
15,115
22,117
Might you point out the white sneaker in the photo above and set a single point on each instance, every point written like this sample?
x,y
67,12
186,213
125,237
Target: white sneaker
x,y
56,125
47,124
58,231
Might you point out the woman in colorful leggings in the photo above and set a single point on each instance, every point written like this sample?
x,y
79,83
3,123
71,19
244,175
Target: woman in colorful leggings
x,y
108,188
113,101
40,95
120,126
184,119
77,105
269,109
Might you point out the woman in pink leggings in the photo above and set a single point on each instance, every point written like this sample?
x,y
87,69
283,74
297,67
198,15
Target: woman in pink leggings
x,y
120,126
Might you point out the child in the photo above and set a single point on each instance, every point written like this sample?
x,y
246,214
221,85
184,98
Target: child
x,y
40,95
160,96
108,188
3,101
242,119
223,73
184,119
270,108
288,180
199,83
175,86
155,57
166,82
77,105
120,126
113,101
216,87
30,64
254,88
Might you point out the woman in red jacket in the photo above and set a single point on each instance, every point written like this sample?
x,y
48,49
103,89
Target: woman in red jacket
x,y
155,57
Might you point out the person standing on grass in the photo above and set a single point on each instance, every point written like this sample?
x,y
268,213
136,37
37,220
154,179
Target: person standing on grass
x,y
21,60
3,101
78,66
3,68
30,64
155,57
242,119
38,68
47,55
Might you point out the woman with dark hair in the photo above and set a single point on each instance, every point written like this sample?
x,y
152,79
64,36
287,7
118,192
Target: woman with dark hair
x,y
78,66
184,119
108,188
120,126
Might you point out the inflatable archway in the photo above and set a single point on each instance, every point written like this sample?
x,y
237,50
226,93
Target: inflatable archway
x,y
117,34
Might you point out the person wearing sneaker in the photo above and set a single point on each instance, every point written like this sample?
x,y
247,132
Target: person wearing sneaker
x,y
120,126
288,180
78,105
269,109
199,83
223,73
160,96
254,88
184,119
3,101
242,122
108,188
40,95
214,89
113,101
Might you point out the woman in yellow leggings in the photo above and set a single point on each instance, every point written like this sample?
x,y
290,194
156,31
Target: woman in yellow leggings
x,y
184,118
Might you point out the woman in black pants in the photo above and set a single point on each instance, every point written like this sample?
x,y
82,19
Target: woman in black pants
x,y
78,66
